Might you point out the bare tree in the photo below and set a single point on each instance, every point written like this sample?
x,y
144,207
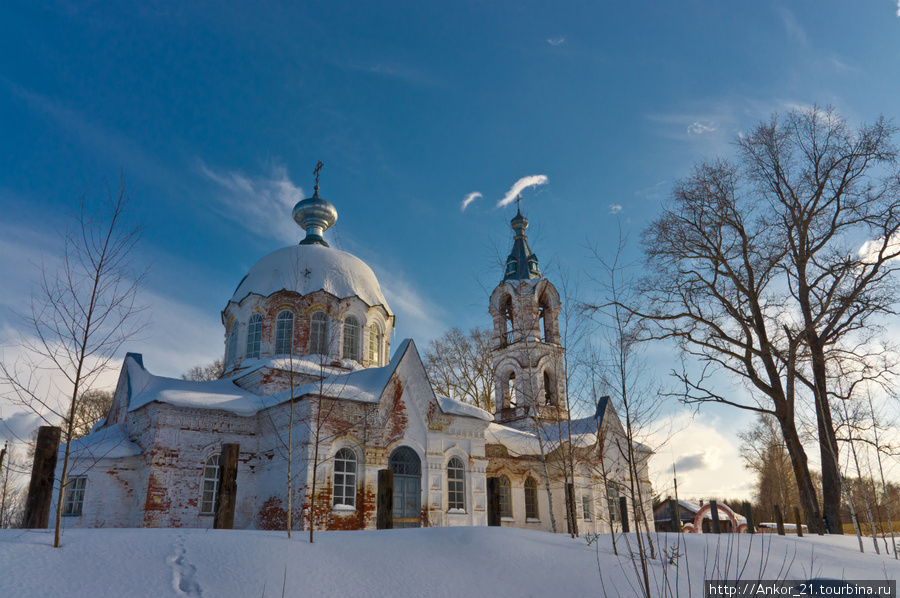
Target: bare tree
x,y
206,372
79,316
12,491
756,270
459,366
93,405
764,452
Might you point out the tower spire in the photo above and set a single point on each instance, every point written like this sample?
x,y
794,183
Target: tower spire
x,y
522,263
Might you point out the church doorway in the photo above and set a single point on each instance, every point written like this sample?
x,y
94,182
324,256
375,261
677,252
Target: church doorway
x,y
407,470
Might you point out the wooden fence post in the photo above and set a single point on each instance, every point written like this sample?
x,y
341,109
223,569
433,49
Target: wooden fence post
x,y
623,513
385,512
714,511
675,514
779,520
43,470
748,509
799,523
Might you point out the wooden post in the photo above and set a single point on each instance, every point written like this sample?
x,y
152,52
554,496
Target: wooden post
x,y
748,509
623,512
385,511
493,491
675,514
779,520
714,512
227,493
43,469
799,523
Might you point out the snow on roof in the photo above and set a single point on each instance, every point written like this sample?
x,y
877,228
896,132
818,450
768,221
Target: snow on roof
x,y
454,407
111,442
217,394
519,442
314,365
309,268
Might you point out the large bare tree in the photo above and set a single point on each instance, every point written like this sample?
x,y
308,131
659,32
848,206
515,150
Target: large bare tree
x,y
459,366
769,266
81,313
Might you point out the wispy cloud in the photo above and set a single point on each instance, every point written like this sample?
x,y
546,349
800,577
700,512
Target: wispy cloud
x,y
699,128
898,8
614,208
556,41
469,199
401,72
793,28
523,183
260,203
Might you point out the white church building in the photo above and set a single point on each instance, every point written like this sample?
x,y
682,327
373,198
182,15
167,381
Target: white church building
x,y
311,394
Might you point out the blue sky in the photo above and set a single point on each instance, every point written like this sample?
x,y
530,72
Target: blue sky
x,y
220,111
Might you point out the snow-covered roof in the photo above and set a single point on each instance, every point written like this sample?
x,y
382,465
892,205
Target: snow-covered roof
x,y
519,442
111,442
309,268
454,407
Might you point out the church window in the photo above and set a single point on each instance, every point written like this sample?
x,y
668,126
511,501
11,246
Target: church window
x,y
586,506
351,338
612,498
549,388
74,499
254,336
345,478
505,497
531,504
210,488
506,313
509,391
284,332
544,317
233,343
456,484
318,332
374,346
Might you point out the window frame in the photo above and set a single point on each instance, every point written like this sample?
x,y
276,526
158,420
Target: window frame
x,y
318,332
348,478
350,338
254,337
505,490
209,506
73,501
531,499
284,333
586,507
612,501
456,484
374,345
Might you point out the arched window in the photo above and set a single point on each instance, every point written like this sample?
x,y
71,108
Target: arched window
x,y
284,332
374,345
543,316
210,487
456,484
531,504
506,312
318,332
345,478
233,343
351,338
509,391
549,388
505,497
254,336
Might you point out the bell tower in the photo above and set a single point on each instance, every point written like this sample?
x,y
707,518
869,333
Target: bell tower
x,y
529,384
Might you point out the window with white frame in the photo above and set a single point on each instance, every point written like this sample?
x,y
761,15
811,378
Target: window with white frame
x,y
210,486
456,484
586,507
318,333
345,478
254,336
531,504
374,345
233,342
351,338
284,332
74,499
612,498
505,497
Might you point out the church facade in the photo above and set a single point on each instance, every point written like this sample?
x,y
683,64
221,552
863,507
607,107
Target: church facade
x,y
313,422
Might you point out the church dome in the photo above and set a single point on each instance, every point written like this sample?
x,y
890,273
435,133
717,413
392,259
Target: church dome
x,y
308,268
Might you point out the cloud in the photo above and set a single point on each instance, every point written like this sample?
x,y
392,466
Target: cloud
x,y
793,28
260,203
698,128
614,208
469,199
898,8
556,41
691,462
523,183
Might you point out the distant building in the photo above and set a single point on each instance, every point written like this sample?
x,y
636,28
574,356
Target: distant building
x,y
729,521
308,329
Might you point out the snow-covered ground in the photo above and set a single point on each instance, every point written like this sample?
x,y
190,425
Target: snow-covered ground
x,y
419,562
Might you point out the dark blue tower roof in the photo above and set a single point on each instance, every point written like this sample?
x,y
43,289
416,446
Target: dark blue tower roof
x,y
522,263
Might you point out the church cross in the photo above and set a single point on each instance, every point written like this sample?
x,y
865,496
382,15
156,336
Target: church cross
x,y
316,172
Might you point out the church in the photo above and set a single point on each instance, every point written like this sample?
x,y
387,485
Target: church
x,y
315,422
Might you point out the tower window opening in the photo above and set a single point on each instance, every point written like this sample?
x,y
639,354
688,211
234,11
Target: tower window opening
x,y
509,391
547,335
506,312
